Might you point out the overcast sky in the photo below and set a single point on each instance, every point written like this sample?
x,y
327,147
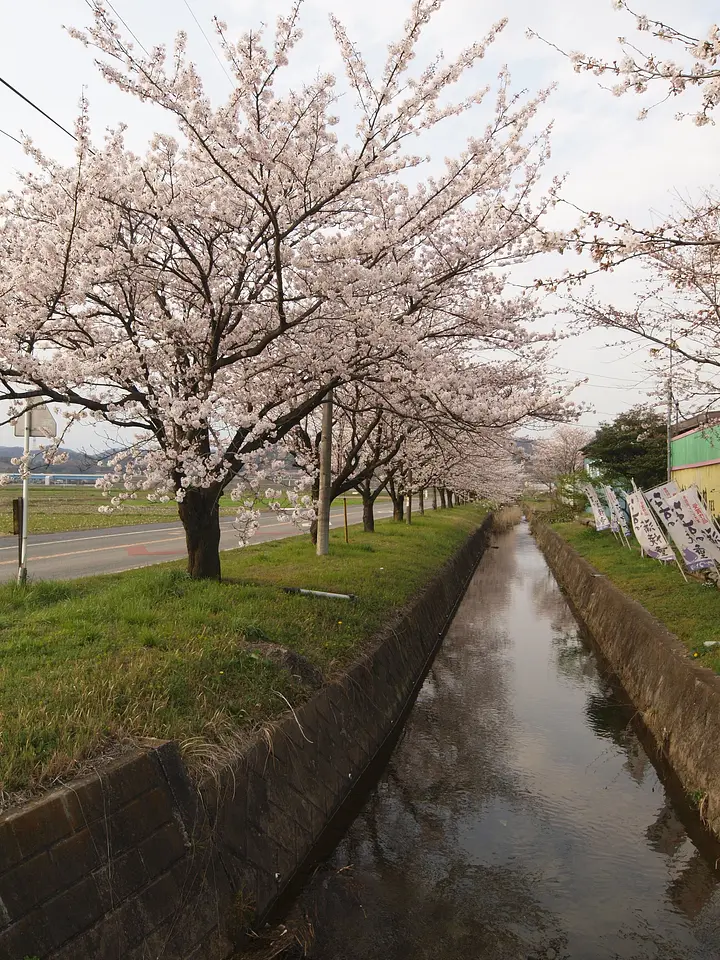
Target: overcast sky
x,y
613,162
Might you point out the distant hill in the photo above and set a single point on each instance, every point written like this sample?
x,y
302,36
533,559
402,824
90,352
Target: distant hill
x,y
77,462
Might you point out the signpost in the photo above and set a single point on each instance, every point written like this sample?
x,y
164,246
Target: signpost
x,y
35,422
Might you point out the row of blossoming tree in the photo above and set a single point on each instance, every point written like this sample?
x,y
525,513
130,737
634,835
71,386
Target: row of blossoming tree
x,y
206,295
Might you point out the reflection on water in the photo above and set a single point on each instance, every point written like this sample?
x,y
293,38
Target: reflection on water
x,y
519,816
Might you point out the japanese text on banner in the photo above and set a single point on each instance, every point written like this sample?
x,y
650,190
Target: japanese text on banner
x,y
601,520
616,511
667,501
648,533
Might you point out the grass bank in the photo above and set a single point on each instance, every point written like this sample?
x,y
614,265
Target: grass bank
x,y
62,509
689,610
150,653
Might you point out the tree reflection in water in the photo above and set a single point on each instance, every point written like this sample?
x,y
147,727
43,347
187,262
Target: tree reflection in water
x,y
511,821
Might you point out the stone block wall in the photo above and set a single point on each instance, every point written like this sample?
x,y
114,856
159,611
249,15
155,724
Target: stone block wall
x,y
678,700
94,868
137,862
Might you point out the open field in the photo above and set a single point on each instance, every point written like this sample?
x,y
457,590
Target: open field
x,y
60,509
689,610
149,652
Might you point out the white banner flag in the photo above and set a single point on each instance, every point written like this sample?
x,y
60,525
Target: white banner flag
x,y
616,513
601,520
648,533
676,513
706,532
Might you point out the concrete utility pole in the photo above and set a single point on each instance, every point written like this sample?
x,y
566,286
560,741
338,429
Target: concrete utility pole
x,y
670,408
22,569
323,530
669,429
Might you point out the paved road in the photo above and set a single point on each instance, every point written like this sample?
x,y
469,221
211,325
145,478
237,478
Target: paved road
x,y
61,556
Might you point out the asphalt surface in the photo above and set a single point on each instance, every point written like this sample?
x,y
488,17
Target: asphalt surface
x,y
63,556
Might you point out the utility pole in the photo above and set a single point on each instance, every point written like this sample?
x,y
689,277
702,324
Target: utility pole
x,y
323,531
22,569
669,430
670,413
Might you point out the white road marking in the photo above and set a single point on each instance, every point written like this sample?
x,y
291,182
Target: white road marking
x,y
132,532
119,546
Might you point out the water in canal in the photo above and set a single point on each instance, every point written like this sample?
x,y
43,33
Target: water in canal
x,y
519,817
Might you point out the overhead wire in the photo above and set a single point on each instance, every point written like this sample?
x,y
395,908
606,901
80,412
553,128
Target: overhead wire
x,y
602,376
36,107
629,387
129,30
93,6
207,40
10,136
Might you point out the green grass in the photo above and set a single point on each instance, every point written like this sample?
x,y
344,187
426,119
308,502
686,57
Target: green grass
x,y
60,509
689,610
543,503
152,653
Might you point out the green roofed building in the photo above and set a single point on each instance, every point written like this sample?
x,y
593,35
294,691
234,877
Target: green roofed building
x,y
696,457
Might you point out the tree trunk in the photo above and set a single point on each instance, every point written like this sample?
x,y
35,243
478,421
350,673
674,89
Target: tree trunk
x,y
325,490
315,493
368,514
398,504
434,499
443,501
200,516
450,498
397,498
421,501
409,508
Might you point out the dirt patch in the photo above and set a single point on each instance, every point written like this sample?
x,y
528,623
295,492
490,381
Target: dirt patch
x,y
297,666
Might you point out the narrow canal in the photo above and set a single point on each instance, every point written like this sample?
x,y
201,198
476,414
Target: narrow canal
x,y
519,817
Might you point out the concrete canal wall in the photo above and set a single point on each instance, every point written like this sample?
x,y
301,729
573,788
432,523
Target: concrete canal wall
x,y
678,700
137,862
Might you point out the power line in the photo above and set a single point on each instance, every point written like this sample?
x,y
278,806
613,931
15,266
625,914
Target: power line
x,y
610,386
602,376
124,23
207,40
93,7
36,107
11,137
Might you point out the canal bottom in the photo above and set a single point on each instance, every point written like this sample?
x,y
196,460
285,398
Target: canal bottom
x,y
519,815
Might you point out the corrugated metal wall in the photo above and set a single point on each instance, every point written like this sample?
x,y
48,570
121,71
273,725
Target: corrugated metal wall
x,y
706,479
697,447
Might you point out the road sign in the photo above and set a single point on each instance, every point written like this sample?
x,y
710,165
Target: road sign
x,y
42,423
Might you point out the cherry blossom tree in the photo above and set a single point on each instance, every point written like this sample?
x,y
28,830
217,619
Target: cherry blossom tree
x,y
558,455
677,309
407,435
365,441
611,241
639,70
207,294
